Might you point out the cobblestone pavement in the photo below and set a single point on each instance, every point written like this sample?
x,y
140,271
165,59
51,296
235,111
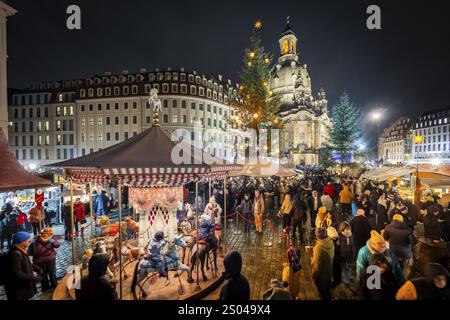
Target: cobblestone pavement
x,y
261,263
64,253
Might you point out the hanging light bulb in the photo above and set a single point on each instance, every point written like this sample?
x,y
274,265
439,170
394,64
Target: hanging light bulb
x,y
249,63
252,54
266,60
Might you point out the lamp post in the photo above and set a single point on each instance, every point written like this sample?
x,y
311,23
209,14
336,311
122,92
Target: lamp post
x,y
376,117
417,140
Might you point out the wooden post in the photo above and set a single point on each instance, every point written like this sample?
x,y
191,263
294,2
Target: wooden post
x,y
197,288
120,241
72,219
225,216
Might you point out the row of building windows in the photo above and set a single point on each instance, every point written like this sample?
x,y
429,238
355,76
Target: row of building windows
x,y
434,139
168,76
435,130
41,154
40,126
435,147
107,136
31,113
431,122
166,88
40,140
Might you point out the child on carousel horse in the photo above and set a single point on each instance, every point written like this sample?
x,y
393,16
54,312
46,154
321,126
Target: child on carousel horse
x,y
155,255
206,231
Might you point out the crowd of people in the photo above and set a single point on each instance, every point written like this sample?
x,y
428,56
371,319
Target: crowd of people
x,y
350,226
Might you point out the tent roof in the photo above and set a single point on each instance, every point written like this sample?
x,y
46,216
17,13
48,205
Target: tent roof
x,y
264,169
12,175
147,155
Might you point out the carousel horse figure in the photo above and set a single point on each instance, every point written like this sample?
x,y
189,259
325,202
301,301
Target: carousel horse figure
x,y
201,251
108,229
144,271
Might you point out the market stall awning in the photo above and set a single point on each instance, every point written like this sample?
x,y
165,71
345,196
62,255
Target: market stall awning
x,y
387,173
434,180
264,169
148,158
12,175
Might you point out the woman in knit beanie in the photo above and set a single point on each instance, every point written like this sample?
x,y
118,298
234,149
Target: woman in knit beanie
x,y
377,244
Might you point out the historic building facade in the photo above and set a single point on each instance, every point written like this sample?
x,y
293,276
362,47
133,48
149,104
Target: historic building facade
x,y
60,120
395,142
433,130
5,12
305,116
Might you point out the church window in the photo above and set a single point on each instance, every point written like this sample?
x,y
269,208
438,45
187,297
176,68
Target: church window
x,y
285,46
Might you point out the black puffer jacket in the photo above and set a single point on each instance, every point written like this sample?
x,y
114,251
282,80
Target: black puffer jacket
x,y
20,282
399,236
236,286
96,286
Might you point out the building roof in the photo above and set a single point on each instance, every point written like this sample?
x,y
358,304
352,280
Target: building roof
x,y
12,175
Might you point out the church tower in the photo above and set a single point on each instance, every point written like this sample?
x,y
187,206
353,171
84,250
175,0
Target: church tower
x,y
288,45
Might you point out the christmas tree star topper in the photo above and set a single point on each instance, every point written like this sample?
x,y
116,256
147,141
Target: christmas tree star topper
x,y
258,24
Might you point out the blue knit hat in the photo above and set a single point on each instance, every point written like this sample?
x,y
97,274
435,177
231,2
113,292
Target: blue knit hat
x,y
20,237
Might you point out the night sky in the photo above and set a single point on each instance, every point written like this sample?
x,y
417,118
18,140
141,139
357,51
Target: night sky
x,y
403,68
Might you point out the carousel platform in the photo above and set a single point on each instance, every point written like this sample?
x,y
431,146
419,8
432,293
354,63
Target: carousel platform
x,y
156,288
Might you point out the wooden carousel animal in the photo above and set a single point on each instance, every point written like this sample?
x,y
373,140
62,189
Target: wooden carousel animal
x,y
147,271
108,229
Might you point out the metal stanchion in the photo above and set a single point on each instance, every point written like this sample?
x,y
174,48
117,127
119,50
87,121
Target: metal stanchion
x,y
120,241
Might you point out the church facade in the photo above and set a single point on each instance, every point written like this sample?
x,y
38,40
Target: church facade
x,y
305,116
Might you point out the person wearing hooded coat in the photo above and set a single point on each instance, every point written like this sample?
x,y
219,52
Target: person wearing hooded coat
x,y
400,236
322,263
434,286
96,286
20,282
388,282
379,219
431,223
277,291
345,251
360,230
236,287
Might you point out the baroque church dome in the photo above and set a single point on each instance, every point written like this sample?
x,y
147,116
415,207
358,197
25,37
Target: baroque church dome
x,y
290,80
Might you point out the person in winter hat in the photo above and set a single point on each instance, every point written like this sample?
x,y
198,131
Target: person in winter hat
x,y
286,210
206,231
246,209
276,291
322,263
44,255
431,224
345,198
345,251
388,285
323,219
360,230
377,244
96,286
434,286
20,282
236,287
399,236
154,256
337,271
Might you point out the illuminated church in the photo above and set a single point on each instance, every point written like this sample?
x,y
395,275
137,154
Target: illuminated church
x,y
305,116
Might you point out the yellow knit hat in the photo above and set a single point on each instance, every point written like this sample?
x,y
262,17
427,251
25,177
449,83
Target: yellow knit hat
x,y
397,217
376,239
